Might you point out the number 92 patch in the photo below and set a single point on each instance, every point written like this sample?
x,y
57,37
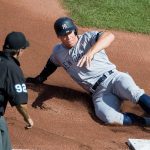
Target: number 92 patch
x,y
20,88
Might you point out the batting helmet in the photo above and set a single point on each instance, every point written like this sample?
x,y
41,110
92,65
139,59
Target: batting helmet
x,y
64,25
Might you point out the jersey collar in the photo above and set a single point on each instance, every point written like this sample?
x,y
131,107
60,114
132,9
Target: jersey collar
x,y
8,56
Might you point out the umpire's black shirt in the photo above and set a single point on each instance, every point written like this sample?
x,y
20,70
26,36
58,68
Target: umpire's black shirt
x,y
12,82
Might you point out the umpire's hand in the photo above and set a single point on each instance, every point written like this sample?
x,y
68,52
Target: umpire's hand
x,y
29,123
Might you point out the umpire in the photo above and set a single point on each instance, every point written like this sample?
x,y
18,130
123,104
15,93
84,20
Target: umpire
x,y
12,83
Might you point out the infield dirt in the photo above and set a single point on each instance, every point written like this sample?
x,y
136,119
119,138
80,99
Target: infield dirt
x,y
62,112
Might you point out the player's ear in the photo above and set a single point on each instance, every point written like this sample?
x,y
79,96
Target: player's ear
x,y
19,53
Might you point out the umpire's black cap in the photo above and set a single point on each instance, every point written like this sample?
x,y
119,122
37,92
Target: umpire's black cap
x,y
16,41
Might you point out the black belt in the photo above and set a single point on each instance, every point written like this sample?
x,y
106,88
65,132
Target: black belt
x,y
101,79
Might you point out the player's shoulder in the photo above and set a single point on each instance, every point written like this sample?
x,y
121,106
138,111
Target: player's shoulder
x,y
90,34
58,47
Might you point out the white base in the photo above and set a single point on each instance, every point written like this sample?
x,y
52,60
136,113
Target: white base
x,y
139,144
21,149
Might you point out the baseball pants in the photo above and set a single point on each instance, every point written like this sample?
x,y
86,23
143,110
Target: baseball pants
x,y
110,94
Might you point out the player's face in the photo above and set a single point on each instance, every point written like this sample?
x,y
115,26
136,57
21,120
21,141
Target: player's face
x,y
69,40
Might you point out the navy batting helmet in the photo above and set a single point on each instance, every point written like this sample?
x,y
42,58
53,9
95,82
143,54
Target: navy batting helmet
x,y
64,25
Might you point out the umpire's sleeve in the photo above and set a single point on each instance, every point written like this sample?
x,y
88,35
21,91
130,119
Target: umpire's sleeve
x,y
16,90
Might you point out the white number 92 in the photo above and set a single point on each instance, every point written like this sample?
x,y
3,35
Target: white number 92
x,y
20,88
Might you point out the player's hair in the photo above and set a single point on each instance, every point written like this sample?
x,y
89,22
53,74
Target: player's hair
x,y
11,52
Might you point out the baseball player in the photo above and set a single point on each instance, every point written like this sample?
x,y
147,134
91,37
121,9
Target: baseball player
x,y
12,83
84,58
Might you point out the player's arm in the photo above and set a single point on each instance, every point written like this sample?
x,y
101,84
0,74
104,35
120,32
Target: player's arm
x,y
49,68
103,41
22,109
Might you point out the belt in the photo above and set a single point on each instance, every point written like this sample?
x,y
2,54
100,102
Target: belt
x,y
101,79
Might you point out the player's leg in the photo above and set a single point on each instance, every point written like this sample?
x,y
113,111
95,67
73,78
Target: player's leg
x,y
107,109
144,102
5,140
126,88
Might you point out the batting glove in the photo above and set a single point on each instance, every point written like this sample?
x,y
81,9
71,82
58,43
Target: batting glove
x,y
36,80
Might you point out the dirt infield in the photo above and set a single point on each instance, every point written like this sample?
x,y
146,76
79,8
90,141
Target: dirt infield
x,y
62,111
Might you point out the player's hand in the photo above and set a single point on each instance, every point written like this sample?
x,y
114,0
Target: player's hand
x,y
29,123
86,59
35,80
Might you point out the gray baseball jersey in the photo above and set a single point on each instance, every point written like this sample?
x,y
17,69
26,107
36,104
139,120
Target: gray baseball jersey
x,y
68,58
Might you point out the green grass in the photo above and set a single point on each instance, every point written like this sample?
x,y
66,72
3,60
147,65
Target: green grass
x,y
125,15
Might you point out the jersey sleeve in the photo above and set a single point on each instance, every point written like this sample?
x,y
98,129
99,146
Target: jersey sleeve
x,y
16,90
53,56
94,36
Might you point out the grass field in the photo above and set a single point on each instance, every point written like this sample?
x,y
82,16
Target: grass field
x,y
125,15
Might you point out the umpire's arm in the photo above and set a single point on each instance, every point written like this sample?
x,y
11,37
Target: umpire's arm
x,y
22,109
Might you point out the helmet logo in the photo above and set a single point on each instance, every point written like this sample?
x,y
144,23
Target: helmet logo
x,y
64,26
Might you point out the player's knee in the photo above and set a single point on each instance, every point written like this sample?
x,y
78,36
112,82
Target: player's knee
x,y
113,121
109,119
